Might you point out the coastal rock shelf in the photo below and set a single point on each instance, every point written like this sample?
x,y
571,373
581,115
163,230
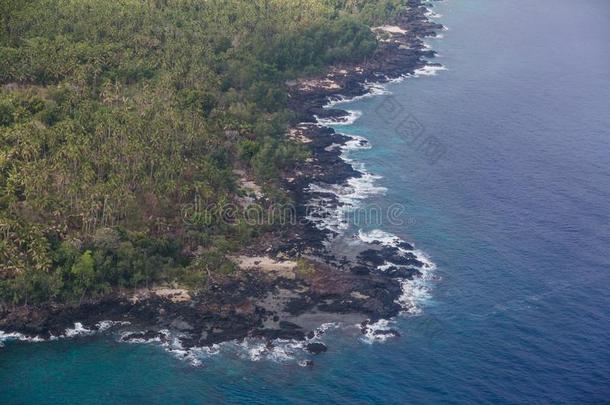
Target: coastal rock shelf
x,y
291,281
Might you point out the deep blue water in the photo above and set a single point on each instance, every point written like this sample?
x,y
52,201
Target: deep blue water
x,y
516,215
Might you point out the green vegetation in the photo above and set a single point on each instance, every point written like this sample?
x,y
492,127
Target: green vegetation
x,y
115,115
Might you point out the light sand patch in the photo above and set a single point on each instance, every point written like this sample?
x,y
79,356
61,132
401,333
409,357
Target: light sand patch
x,y
279,268
297,135
315,84
390,29
173,294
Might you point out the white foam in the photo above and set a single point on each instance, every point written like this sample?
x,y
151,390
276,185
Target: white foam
x,y
398,79
428,70
325,214
277,350
252,349
78,330
322,211
196,354
5,336
280,350
378,89
157,339
335,100
103,326
372,90
415,292
322,329
370,332
432,14
377,235
357,143
350,119
171,343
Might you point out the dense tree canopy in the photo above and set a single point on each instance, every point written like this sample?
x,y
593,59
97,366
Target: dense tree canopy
x,y
115,114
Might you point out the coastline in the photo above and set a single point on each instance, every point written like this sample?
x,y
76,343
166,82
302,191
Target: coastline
x,y
323,288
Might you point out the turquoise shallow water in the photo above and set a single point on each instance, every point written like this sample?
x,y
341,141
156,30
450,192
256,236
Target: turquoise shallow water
x,y
515,214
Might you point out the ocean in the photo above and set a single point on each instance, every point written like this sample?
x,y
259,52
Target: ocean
x,y
498,169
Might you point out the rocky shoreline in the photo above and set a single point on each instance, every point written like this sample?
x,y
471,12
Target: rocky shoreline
x,y
315,285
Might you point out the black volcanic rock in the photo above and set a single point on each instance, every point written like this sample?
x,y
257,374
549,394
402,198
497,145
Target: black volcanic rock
x,y
316,348
148,335
233,308
361,270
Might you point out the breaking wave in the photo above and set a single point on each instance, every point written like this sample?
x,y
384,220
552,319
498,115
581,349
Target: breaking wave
x,y
416,291
328,209
252,349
